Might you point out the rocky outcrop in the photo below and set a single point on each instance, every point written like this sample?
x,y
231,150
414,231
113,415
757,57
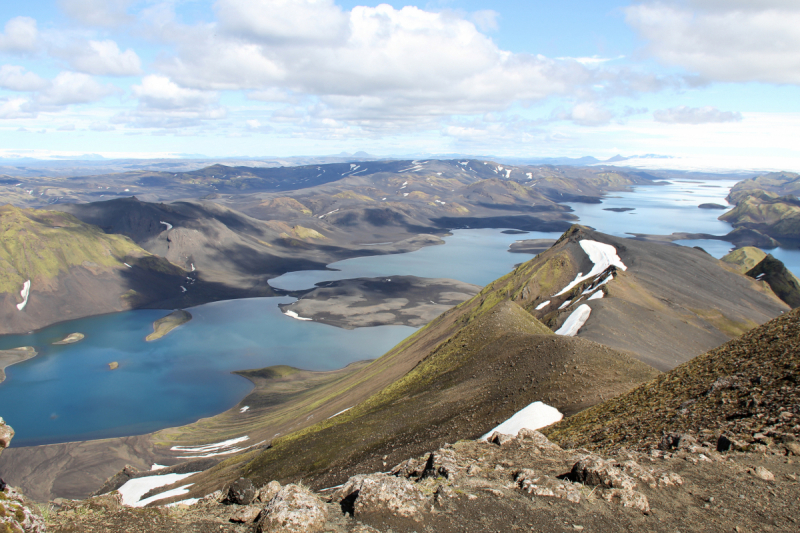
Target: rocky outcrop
x,y
16,513
293,509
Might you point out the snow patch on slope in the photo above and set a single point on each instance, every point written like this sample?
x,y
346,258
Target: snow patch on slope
x,y
25,292
535,416
133,489
575,321
602,255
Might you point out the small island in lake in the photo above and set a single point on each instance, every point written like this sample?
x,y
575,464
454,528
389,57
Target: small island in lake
x,y
14,356
711,206
619,209
72,338
162,326
113,365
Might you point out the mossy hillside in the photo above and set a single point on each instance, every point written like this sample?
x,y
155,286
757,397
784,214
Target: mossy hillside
x,y
324,442
774,183
43,244
351,195
783,283
286,203
744,259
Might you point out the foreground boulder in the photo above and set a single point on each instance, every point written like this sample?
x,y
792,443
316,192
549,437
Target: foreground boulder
x,y
382,494
293,509
16,514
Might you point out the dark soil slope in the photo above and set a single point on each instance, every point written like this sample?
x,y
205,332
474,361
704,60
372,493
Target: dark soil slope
x,y
491,368
671,304
747,389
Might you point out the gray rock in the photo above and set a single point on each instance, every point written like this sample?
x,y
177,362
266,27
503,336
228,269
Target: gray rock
x,y
501,439
380,493
530,436
548,486
268,491
241,492
294,509
628,498
6,434
762,473
676,441
593,470
246,514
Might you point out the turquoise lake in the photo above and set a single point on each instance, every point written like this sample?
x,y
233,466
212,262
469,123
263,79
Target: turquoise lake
x,y
68,393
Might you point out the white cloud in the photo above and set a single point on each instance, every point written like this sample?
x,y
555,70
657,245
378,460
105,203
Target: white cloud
x,y
105,13
722,40
165,105
16,108
486,20
279,22
406,63
15,78
695,115
69,88
586,114
102,58
159,92
21,35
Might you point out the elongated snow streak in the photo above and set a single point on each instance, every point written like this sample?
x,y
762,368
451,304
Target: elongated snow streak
x,y
193,267
295,315
596,296
25,292
575,321
542,305
133,489
590,289
340,412
244,409
189,501
602,255
157,466
167,224
221,452
127,265
535,416
168,494
210,447
565,304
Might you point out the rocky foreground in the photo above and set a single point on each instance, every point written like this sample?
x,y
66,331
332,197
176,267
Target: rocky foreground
x,y
523,483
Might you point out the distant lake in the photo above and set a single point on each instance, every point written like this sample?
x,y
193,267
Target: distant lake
x,y
68,392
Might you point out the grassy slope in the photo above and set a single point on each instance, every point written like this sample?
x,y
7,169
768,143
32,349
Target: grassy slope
x,y
40,245
743,259
739,388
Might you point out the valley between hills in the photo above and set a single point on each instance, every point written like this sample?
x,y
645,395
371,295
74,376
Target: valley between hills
x,y
675,371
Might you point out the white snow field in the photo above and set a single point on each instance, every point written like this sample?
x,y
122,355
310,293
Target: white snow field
x,y
596,296
133,489
210,447
542,305
602,255
575,321
295,315
535,416
25,292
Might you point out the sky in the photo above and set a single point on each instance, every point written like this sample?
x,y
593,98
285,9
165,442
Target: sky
x,y
714,82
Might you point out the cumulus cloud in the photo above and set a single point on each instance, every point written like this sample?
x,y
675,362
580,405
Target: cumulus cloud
x,y
16,78
365,63
11,108
486,19
69,88
21,35
586,114
695,115
724,40
101,58
164,104
279,22
105,13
